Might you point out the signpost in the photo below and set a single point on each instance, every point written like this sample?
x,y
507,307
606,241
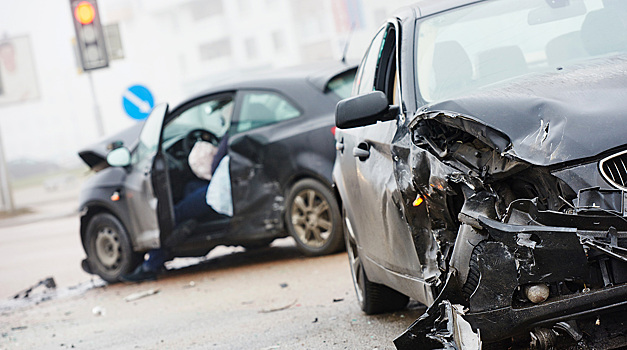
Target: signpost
x,y
138,102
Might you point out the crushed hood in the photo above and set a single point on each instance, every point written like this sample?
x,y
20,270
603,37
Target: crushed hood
x,y
574,112
95,155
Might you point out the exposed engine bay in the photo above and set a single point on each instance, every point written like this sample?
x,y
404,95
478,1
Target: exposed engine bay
x,y
529,255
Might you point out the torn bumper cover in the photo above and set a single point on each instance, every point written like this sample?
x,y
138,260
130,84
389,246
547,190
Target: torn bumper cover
x,y
579,257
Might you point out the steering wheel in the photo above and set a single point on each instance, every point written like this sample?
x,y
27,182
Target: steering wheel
x,y
198,135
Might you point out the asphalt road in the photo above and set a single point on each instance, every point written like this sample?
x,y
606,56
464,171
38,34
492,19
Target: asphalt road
x,y
272,298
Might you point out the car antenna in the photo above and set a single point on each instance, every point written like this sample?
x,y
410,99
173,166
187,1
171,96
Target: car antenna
x,y
348,41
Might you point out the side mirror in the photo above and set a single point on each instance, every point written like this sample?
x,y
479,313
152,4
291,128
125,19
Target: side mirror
x,y
364,110
119,157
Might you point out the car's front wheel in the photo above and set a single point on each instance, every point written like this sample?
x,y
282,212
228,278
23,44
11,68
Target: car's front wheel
x,y
313,218
373,298
109,250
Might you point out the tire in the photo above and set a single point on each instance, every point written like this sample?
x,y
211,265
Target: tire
x,y
312,217
109,250
373,298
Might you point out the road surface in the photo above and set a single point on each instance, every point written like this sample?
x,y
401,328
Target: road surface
x,y
272,298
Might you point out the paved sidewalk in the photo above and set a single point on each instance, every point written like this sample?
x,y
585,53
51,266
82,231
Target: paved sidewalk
x,y
36,204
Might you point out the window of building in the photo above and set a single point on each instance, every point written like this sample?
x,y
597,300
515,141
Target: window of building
x,y
215,49
201,9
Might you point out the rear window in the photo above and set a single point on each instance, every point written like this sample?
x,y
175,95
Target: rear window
x,y
342,85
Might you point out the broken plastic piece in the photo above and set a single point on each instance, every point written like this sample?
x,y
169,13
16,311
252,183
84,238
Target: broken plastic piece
x,y
48,283
141,294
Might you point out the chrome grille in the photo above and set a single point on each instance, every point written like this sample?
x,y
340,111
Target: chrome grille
x,y
614,169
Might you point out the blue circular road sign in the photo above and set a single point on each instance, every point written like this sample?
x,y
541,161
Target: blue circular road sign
x,y
138,102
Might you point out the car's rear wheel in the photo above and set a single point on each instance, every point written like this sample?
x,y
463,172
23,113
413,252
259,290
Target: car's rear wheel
x,y
313,218
373,298
109,250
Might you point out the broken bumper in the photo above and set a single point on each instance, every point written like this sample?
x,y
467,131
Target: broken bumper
x,y
583,261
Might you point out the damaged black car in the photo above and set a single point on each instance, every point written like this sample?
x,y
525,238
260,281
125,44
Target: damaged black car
x,y
482,168
277,128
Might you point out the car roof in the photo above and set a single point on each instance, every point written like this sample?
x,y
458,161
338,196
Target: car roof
x,y
316,74
424,8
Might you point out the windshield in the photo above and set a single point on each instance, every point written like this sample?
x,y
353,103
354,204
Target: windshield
x,y
493,41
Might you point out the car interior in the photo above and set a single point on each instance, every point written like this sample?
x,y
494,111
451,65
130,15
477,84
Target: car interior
x,y
208,121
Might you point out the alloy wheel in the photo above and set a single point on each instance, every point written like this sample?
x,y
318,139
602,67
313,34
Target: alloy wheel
x,y
311,217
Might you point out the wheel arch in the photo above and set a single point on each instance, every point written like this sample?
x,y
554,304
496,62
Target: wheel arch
x,y
302,175
89,210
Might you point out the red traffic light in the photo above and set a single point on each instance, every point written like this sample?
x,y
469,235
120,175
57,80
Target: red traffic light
x,y
84,12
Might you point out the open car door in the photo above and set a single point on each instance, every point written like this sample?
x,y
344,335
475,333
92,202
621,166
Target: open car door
x,y
148,184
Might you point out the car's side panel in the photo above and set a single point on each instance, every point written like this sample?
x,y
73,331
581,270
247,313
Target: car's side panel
x,y
265,160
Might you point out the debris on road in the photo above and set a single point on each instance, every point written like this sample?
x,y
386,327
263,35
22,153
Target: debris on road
x,y
338,300
265,311
48,283
283,285
99,311
141,294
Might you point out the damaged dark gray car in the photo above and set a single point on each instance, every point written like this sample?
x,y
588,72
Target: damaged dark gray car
x,y
277,129
486,175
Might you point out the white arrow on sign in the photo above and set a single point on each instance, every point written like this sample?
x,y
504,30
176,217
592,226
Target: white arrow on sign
x,y
143,106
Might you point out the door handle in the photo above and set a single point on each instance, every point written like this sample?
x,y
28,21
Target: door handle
x,y
362,151
339,145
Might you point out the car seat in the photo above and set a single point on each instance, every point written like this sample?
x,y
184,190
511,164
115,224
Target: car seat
x,y
452,69
604,31
501,63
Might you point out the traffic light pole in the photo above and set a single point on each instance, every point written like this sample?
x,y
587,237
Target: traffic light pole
x,y
5,186
97,115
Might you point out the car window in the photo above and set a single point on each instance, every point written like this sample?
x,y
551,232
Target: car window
x,y
364,82
213,115
261,108
341,85
149,136
460,50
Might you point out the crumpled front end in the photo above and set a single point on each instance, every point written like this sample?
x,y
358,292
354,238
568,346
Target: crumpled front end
x,y
530,254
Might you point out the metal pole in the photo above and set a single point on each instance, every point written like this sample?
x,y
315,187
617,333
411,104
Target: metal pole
x,y
97,115
5,185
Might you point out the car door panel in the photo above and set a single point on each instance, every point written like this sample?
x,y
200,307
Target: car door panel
x,y
148,168
258,140
385,234
255,194
375,202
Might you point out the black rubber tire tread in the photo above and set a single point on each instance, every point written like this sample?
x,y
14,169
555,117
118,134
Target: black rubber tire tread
x,y
335,242
129,259
379,298
473,272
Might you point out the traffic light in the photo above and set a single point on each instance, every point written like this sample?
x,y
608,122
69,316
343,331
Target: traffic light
x,y
89,36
